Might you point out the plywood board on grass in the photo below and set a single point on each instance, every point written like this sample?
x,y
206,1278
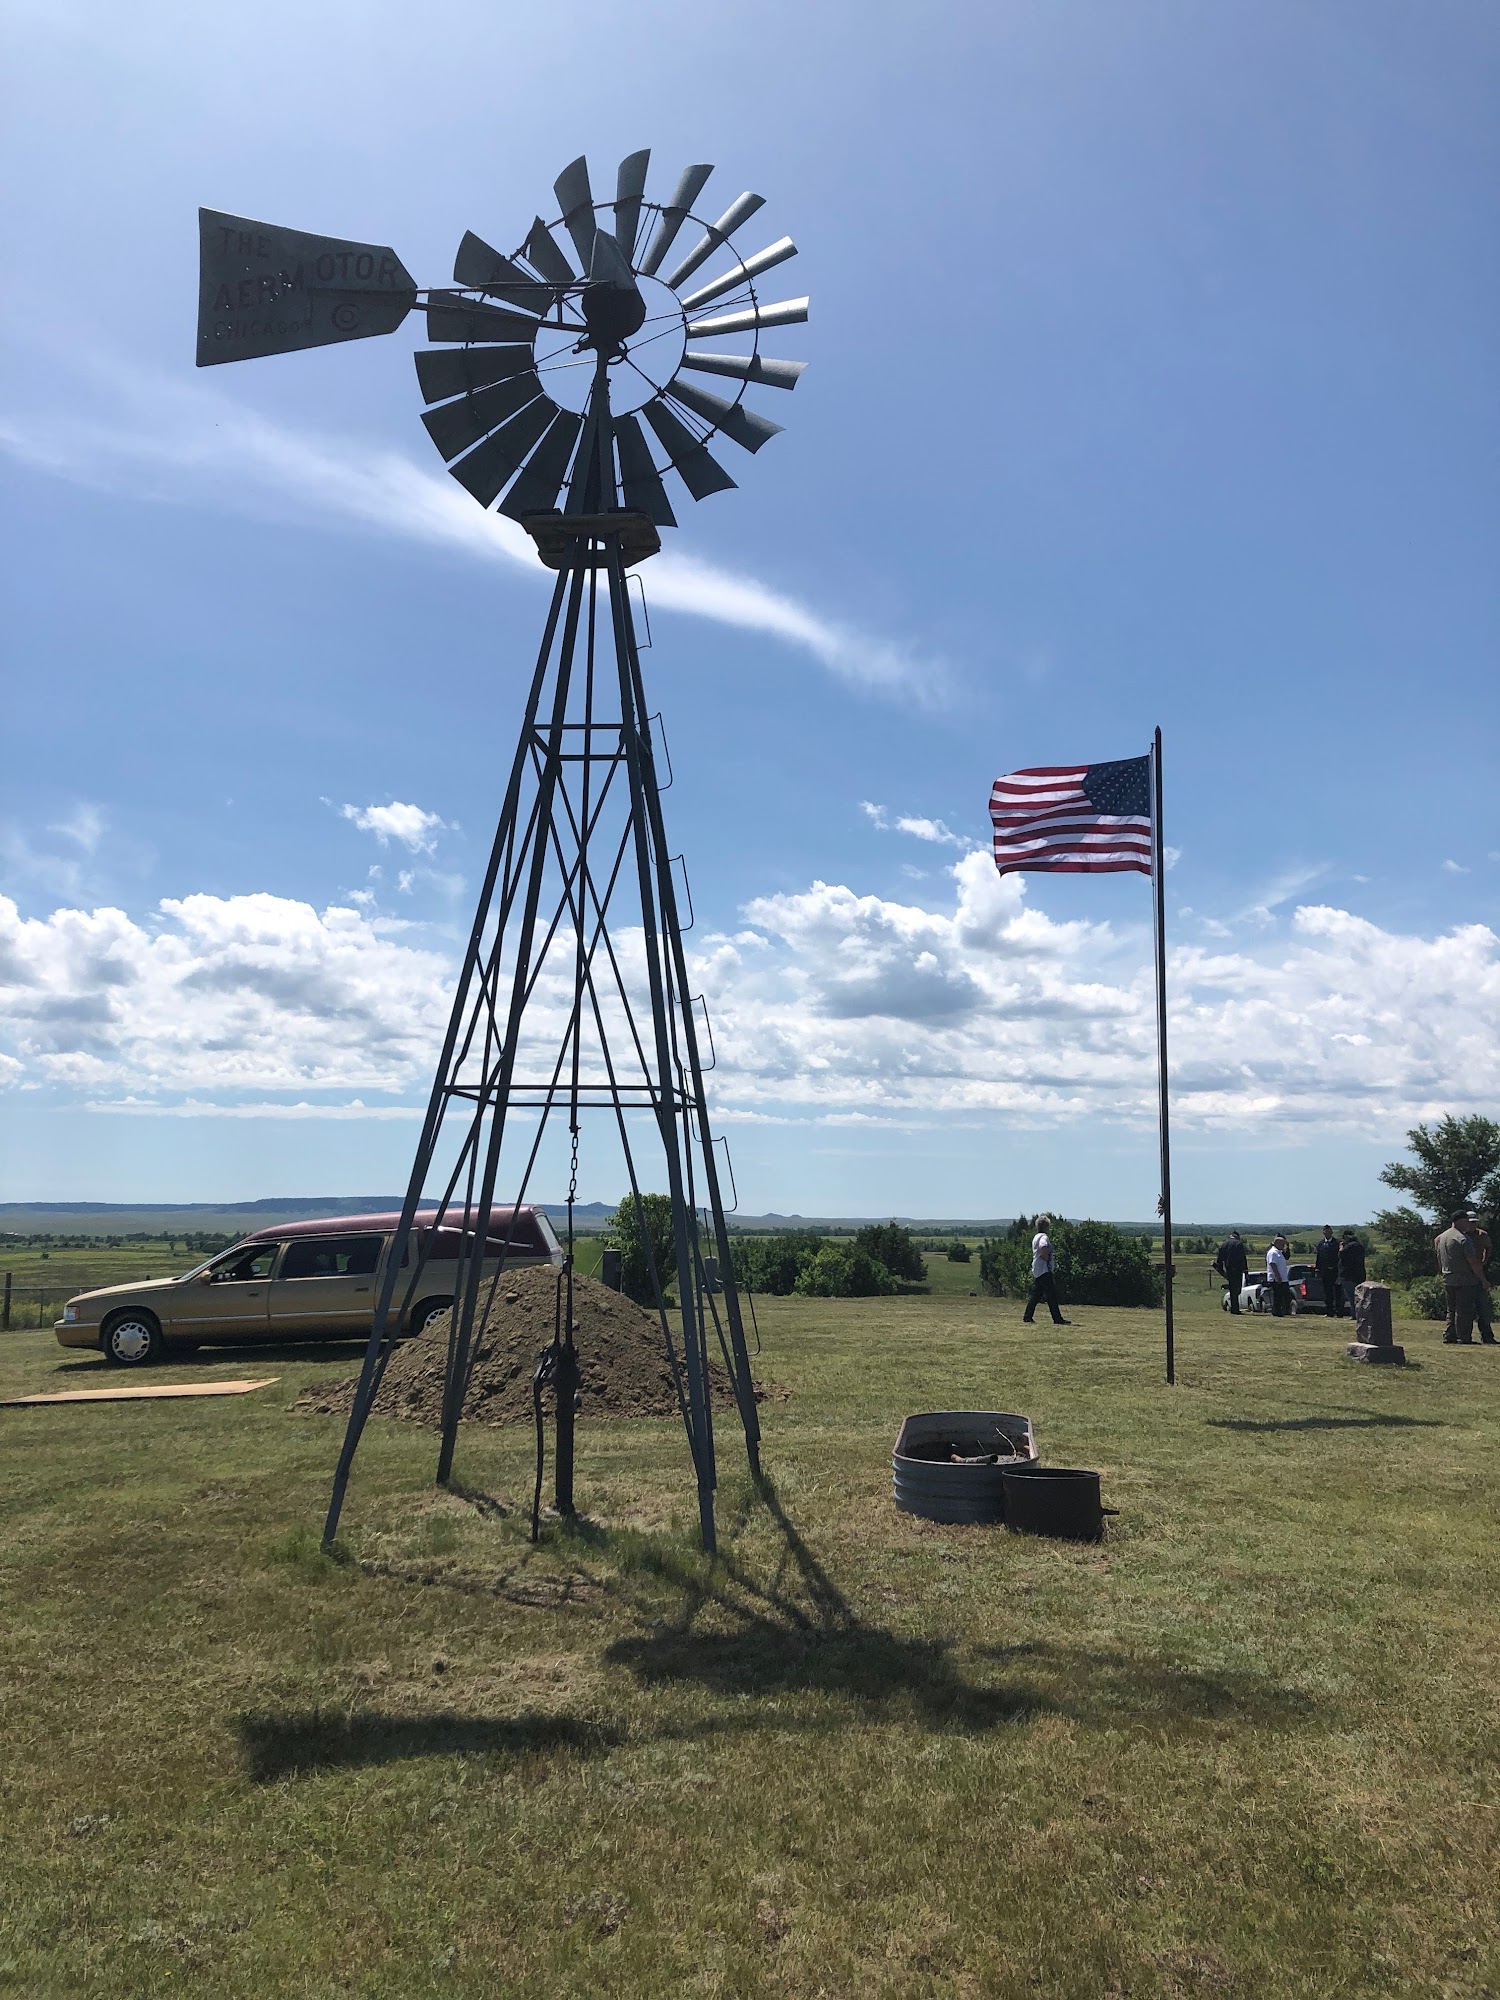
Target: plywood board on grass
x,y
144,1392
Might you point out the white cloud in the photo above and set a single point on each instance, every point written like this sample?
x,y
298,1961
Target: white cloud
x,y
167,440
415,828
239,994
84,826
828,1006
933,831
193,1107
990,1005
1455,868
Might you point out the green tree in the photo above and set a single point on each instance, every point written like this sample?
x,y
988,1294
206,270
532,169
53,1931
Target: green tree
x,y
889,1244
844,1271
632,1228
959,1253
773,1264
1457,1165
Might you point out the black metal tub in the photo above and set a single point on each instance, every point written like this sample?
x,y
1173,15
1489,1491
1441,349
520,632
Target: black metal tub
x,y
1054,1500
948,1464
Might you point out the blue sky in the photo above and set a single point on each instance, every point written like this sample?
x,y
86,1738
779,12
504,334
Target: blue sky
x,y
1153,378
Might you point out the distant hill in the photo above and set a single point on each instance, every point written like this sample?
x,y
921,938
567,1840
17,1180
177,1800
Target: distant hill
x,y
236,1218
232,1218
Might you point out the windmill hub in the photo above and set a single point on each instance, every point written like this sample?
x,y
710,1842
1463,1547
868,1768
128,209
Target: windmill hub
x,y
612,313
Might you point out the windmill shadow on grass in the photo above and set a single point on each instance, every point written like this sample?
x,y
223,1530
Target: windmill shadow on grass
x,y
286,1746
798,1634
1380,1421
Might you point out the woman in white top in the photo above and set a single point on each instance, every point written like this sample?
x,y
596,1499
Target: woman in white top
x,y
1043,1283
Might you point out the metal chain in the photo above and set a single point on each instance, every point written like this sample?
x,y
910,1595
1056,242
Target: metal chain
x,y
572,1185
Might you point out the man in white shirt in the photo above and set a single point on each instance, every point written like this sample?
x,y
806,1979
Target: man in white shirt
x,y
1043,1284
1279,1277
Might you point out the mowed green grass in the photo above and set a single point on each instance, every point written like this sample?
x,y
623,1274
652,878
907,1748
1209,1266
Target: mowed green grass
x,y
1245,1746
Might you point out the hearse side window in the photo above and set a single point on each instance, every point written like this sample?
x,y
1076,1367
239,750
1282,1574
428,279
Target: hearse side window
x,y
331,1257
251,1263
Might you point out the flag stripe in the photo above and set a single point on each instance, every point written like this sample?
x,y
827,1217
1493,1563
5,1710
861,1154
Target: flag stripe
x,y
1050,818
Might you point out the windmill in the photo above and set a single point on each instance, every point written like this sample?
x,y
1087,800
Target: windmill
x,y
564,387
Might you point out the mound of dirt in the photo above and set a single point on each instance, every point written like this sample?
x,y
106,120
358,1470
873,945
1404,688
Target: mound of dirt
x,y
621,1358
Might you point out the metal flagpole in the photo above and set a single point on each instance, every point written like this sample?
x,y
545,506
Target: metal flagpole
x,y
1158,876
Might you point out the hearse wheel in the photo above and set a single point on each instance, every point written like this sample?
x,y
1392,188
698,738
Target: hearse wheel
x,y
131,1339
424,1314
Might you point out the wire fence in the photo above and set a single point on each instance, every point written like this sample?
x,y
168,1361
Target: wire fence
x,y
33,1298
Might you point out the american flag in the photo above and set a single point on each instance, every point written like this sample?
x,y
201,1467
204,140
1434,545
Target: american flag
x,y
1074,819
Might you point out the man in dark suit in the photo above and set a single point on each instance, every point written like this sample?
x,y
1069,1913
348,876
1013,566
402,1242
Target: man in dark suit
x,y
1233,1266
1327,1260
1351,1268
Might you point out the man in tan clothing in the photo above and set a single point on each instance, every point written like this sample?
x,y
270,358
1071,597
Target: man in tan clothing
x,y
1458,1260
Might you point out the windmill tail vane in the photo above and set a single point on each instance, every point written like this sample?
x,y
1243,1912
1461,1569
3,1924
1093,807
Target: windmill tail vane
x,y
563,383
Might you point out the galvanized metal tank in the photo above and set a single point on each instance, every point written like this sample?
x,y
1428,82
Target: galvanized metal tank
x,y
947,1464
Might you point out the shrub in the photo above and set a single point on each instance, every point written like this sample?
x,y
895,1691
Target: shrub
x,y
1095,1263
772,1264
1428,1298
844,1271
959,1253
889,1244
1005,1266
630,1232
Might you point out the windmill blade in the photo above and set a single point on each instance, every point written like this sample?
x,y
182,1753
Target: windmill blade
x,y
609,264
733,419
763,260
265,290
673,216
487,468
576,200
453,427
478,268
745,368
721,231
630,185
538,486
789,312
451,371
639,478
542,254
700,472
449,318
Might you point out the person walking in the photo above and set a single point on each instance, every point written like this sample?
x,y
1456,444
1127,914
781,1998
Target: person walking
x,y
1326,1257
1279,1277
1233,1266
1351,1267
1458,1261
1043,1283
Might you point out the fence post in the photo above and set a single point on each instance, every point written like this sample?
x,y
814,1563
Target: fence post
x,y
5,1317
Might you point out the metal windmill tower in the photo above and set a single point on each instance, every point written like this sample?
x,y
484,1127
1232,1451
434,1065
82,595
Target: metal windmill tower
x,y
543,367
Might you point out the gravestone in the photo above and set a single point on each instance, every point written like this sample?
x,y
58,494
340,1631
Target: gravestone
x,y
1372,1326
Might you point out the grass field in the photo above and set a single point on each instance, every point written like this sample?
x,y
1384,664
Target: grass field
x,y
1246,1746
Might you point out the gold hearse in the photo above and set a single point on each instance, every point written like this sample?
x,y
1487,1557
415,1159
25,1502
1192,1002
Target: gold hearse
x,y
296,1281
